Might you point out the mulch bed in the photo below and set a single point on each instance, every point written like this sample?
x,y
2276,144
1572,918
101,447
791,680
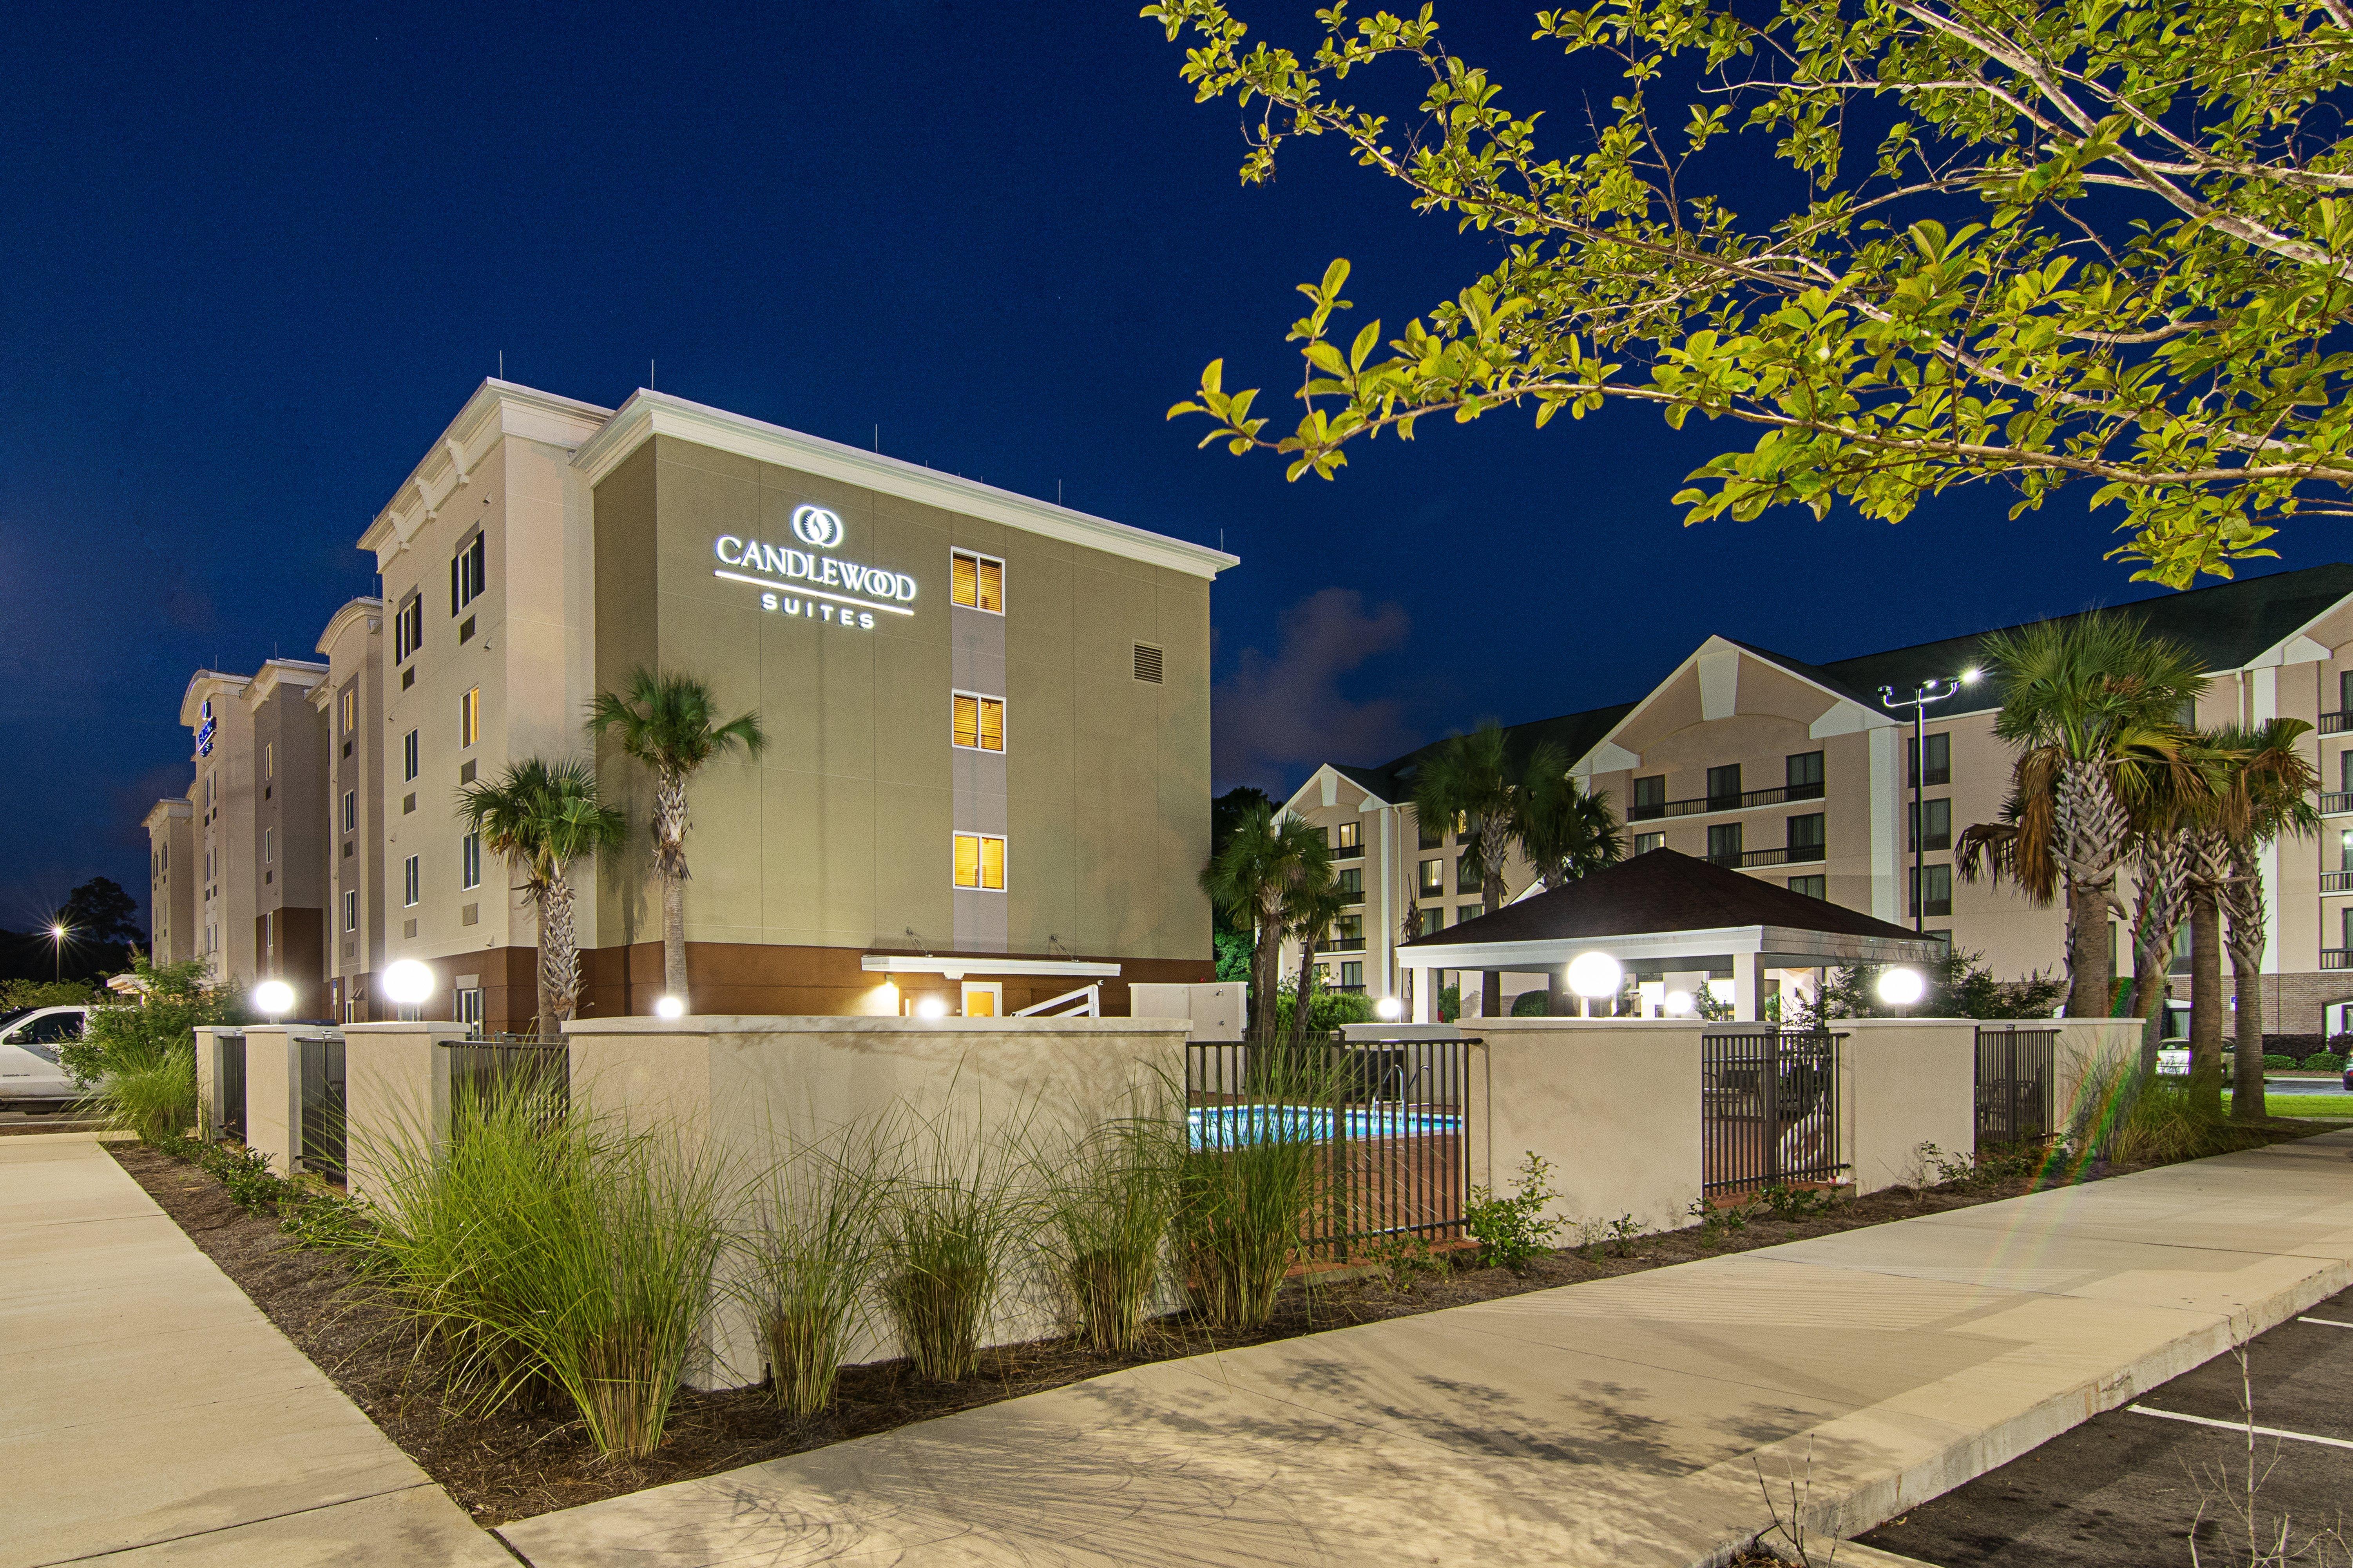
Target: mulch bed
x,y
514,1464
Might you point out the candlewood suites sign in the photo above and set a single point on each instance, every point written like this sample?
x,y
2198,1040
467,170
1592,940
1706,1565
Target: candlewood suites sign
x,y
822,586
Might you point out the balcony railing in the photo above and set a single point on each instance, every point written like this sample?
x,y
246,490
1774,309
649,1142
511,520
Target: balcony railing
x,y
1795,855
1346,945
1699,805
2334,723
2337,881
1348,852
2336,803
2336,958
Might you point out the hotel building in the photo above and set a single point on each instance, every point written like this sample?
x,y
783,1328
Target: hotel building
x,y
1799,773
987,776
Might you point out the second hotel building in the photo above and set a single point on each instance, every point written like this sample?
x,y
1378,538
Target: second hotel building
x,y
987,776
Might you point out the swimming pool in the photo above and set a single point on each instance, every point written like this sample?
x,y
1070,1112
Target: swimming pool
x,y
1231,1126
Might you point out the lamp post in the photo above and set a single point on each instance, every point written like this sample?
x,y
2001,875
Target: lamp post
x,y
1936,689
59,932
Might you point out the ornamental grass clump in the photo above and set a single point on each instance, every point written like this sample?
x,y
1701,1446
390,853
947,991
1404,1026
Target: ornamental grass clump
x,y
555,1254
1246,1185
1111,1200
155,1096
951,1228
810,1260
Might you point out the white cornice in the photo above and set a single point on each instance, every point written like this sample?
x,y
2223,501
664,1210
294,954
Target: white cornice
x,y
208,683
166,809
649,414
497,409
300,674
342,620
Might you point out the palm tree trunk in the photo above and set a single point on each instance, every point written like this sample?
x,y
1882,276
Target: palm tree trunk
x,y
2243,902
559,954
2091,831
670,859
1491,982
2159,898
1304,997
2205,1003
545,1025
1266,977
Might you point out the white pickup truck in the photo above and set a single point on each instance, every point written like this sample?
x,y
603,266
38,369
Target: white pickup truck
x,y
31,1077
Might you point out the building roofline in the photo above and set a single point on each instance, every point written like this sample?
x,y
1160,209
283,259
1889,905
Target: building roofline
x,y
210,680
340,621
647,414
301,674
495,408
170,805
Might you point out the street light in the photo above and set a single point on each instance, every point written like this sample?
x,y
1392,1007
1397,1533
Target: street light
x,y
1678,1004
1593,975
1936,689
1389,1009
273,999
59,932
1901,987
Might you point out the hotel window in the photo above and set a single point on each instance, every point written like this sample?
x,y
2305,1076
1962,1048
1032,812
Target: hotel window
x,y
1469,912
1351,884
408,756
2344,772
1433,877
1649,797
1940,760
1466,878
1932,826
980,861
469,861
1724,844
411,874
1431,835
1937,883
1352,976
1813,887
1427,922
351,810
351,910
2344,923
350,708
470,716
1348,933
1805,776
269,845
409,630
1723,787
467,576
976,582
2344,851
1646,842
1348,840
979,723
1806,838
269,761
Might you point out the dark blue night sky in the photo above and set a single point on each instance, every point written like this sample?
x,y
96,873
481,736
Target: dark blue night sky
x,y
257,258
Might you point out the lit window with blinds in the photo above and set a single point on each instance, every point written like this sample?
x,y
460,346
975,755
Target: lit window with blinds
x,y
470,716
976,582
979,723
980,861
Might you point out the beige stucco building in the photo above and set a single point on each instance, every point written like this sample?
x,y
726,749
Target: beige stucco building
x,y
1802,773
172,879
986,775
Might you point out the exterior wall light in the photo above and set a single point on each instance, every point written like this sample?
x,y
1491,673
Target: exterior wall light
x,y
1901,987
668,1007
1679,1004
408,982
273,999
1593,975
1389,1009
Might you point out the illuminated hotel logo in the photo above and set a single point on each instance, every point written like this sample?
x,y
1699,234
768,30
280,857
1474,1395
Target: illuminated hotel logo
x,y
205,732
822,587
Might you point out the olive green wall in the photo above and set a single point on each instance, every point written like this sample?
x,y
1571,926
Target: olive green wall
x,y
840,836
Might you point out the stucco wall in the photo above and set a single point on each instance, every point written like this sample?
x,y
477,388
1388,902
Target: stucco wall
x,y
1906,1082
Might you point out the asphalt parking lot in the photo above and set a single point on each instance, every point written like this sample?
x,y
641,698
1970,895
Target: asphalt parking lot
x,y
2128,1488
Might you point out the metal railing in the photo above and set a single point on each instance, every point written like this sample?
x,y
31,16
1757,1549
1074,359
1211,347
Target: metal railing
x,y
228,1085
1792,855
1086,1002
1700,805
2016,1085
1388,1121
2336,958
483,1072
2334,723
1768,1110
323,1104
2337,881
2337,802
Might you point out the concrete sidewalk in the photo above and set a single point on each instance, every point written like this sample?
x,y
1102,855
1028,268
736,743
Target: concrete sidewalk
x,y
150,1414
1612,1424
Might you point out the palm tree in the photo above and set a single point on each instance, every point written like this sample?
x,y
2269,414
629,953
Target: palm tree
x,y
666,721
2084,701
1256,878
1469,780
539,817
2266,789
1311,911
1565,830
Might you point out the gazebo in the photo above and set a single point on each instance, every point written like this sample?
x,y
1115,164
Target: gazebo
x,y
1666,913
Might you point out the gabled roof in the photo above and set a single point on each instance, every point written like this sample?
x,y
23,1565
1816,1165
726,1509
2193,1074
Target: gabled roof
x,y
1656,892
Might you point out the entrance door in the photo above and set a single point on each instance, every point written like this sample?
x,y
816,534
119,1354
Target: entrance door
x,y
984,998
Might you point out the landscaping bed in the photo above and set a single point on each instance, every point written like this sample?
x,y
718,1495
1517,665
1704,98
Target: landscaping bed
x,y
519,1463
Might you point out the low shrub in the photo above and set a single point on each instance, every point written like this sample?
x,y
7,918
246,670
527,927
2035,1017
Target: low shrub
x,y
1405,1259
949,1228
2274,1062
1512,1231
1531,1004
811,1261
1789,1203
155,1096
2324,1061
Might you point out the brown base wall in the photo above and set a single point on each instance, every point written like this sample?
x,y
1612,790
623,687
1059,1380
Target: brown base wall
x,y
754,978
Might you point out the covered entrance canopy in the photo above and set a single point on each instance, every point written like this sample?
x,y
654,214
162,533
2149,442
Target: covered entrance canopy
x,y
1667,912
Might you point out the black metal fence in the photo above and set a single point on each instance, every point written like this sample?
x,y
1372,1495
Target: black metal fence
x,y
1388,1120
323,1115
2017,1078
1768,1110
228,1085
485,1071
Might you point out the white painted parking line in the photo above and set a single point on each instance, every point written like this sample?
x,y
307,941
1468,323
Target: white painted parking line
x,y
2325,1322
2240,1426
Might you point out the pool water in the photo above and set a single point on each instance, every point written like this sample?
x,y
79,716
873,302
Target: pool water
x,y
1231,1126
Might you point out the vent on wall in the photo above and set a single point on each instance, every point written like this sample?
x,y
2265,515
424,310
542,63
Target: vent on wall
x,y
471,914
408,930
1147,663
